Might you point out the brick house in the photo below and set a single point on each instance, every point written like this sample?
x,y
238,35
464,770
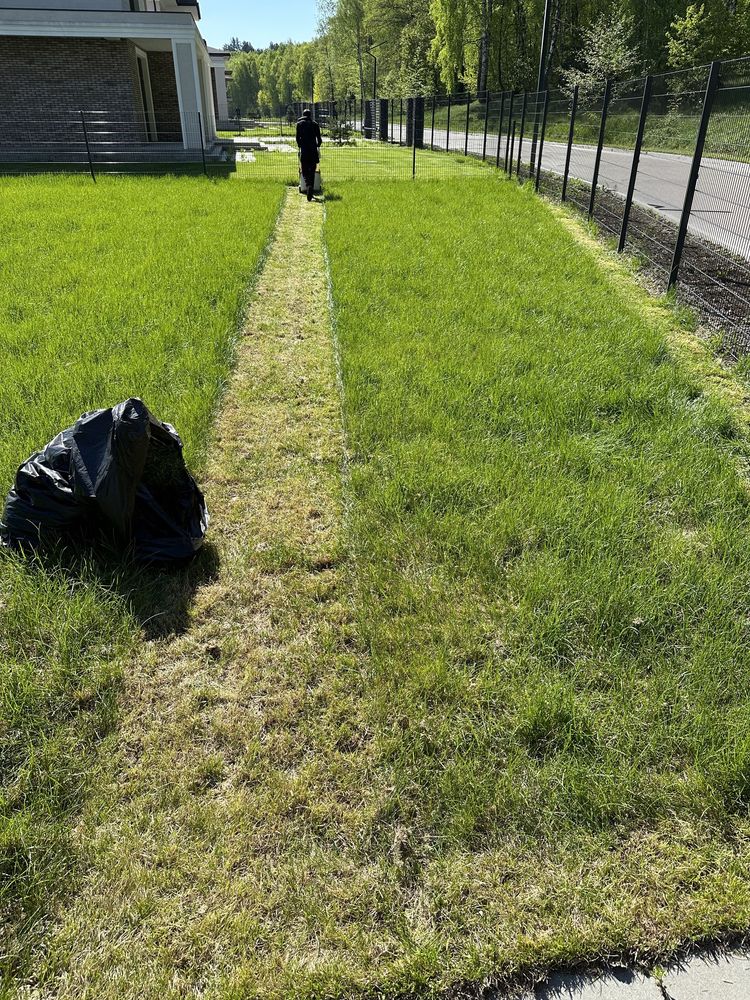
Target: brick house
x,y
139,70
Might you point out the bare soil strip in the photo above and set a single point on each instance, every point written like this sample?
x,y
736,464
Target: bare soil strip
x,y
225,794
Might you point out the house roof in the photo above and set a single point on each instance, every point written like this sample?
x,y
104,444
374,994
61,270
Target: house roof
x,y
190,3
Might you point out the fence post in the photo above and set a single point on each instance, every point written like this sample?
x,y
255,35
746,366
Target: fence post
x,y
432,132
486,122
88,148
520,137
499,129
203,148
598,157
700,142
468,111
541,139
647,88
393,121
512,145
571,130
401,122
507,139
448,127
414,137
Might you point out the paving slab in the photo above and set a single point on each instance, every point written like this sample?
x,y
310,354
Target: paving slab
x,y
613,984
710,976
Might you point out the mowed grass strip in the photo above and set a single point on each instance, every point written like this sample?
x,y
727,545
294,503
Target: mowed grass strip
x,y
221,833
550,528
129,287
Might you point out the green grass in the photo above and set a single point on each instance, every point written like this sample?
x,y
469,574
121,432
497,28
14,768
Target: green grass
x,y
550,528
129,287
365,161
667,131
503,723
672,132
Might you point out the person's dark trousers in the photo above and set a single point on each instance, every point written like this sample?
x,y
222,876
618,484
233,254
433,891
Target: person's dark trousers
x,y
308,172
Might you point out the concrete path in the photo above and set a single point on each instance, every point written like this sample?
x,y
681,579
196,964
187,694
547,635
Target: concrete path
x,y
721,208
710,975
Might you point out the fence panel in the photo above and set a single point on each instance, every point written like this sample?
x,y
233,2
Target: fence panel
x,y
555,143
583,153
528,139
616,160
671,128
715,269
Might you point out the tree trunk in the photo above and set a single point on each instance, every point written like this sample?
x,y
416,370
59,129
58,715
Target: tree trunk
x,y
360,65
554,35
484,47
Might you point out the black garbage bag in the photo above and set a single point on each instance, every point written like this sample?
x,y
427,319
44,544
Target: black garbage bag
x,y
119,470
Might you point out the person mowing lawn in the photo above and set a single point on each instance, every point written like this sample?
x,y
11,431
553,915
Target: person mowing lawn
x,y
309,141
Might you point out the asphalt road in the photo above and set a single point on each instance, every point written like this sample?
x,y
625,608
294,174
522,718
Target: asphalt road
x,y
721,207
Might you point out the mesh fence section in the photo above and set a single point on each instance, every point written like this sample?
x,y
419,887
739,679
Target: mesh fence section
x,y
102,141
583,152
715,269
671,128
554,151
616,159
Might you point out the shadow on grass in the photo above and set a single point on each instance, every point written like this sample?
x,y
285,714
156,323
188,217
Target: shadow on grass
x,y
74,615
159,597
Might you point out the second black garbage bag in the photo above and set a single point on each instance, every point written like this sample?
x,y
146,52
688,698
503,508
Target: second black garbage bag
x,y
119,469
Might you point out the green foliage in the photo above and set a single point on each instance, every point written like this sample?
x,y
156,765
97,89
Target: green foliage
x,y
707,31
607,52
267,81
428,46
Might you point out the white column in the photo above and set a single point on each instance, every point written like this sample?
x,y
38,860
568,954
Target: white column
x,y
188,91
207,97
222,102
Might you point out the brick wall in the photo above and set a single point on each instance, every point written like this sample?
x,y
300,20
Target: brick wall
x,y
164,94
45,76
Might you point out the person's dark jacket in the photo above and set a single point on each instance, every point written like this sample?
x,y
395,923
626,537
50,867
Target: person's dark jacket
x,y
309,139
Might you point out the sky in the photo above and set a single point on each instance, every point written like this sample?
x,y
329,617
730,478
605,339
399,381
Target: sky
x,y
258,21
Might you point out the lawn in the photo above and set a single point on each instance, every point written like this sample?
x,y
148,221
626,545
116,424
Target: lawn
x,y
486,713
364,161
550,528
129,287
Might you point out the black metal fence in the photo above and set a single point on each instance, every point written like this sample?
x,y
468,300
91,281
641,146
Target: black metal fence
x,y
100,141
660,163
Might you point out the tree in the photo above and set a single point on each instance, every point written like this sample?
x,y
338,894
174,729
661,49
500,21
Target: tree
x,y
607,52
235,45
245,83
451,19
707,31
